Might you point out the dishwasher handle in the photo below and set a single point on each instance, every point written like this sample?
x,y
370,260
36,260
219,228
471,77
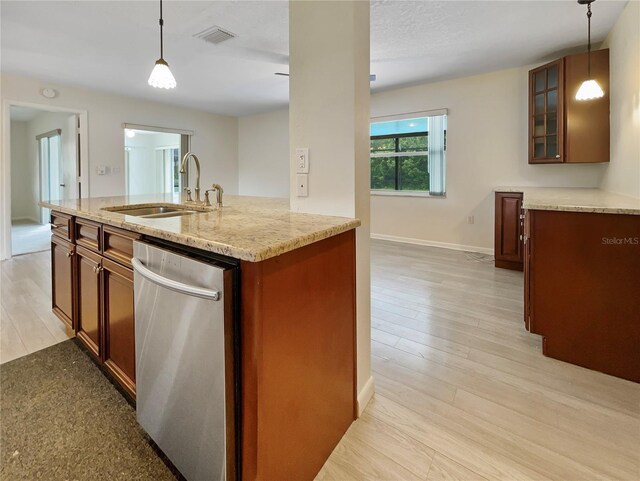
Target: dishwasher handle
x,y
176,286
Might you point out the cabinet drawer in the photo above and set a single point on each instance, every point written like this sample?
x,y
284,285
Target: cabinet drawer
x,y
87,234
117,244
62,225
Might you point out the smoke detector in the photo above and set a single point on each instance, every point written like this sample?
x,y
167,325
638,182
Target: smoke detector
x,y
215,35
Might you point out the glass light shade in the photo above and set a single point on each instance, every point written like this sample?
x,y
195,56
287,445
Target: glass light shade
x,y
589,90
161,77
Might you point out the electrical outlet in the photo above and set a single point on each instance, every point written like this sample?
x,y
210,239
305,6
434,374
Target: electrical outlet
x,y
302,187
302,161
470,220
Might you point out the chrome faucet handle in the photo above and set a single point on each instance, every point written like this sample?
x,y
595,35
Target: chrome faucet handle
x,y
219,191
188,190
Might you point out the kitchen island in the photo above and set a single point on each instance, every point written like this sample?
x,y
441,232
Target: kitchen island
x,y
290,357
581,254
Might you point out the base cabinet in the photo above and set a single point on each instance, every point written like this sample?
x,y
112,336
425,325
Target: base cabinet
x,y
581,289
509,239
92,291
89,319
62,280
119,327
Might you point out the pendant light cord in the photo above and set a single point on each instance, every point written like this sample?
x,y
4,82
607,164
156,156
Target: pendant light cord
x,y
161,27
588,41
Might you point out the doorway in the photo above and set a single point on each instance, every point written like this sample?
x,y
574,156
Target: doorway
x,y
152,160
44,165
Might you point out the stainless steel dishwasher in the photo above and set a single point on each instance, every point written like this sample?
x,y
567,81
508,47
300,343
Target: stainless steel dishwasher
x,y
184,359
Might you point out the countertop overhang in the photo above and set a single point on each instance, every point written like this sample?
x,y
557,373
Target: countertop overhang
x,y
575,200
247,228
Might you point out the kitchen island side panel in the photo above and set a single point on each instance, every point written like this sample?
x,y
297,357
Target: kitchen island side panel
x,y
298,335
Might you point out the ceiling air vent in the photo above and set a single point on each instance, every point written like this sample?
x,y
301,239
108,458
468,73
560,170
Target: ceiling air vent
x,y
215,35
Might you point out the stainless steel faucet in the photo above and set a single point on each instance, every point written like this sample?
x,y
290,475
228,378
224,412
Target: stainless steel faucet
x,y
219,191
182,171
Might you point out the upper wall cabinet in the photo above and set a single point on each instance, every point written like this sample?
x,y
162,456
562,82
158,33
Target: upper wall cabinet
x,y
561,128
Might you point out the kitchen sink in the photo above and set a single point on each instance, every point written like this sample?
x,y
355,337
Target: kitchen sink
x,y
153,212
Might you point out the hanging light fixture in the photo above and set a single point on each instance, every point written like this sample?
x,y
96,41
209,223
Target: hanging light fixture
x,y
589,89
161,77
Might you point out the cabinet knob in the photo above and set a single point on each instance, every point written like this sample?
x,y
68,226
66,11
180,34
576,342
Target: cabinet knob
x,y
521,238
97,269
558,156
69,254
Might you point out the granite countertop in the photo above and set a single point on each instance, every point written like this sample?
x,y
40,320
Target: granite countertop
x,y
575,200
247,228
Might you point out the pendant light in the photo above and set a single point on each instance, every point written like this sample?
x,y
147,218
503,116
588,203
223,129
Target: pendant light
x,y
589,89
161,77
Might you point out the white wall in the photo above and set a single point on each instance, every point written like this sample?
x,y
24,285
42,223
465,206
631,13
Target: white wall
x,y
22,172
263,153
215,140
623,175
486,147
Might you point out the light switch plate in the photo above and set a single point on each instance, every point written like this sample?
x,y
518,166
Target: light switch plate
x,y
302,187
302,161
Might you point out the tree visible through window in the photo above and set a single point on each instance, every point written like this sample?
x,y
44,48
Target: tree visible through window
x,y
400,154
400,162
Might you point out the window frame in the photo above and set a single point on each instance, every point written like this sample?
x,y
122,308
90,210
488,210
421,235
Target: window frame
x,y
407,116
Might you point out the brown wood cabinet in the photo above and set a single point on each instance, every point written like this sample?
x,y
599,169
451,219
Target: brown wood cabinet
x,y
89,305
581,288
63,280
561,128
508,238
119,326
92,290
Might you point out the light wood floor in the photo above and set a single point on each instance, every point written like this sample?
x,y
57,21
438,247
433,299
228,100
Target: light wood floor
x,y
463,391
27,236
26,321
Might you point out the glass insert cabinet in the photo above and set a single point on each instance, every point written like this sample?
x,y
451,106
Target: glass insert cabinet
x,y
563,129
546,113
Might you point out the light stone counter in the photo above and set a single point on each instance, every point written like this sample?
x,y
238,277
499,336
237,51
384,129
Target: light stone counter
x,y
575,200
247,228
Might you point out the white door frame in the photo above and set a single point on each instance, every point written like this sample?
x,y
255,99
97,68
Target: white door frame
x,y
5,163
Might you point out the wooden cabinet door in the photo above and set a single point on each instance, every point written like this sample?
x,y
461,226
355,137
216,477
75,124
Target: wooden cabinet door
x,y
119,328
587,122
546,113
89,314
508,243
62,280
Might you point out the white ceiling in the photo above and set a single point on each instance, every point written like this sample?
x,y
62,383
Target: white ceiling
x,y
112,45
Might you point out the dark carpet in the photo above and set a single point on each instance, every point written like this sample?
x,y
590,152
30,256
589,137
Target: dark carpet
x,y
61,419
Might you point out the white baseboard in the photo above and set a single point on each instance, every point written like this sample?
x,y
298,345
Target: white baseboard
x,y
365,395
423,242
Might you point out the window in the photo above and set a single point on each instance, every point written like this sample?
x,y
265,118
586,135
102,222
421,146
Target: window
x,y
408,153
